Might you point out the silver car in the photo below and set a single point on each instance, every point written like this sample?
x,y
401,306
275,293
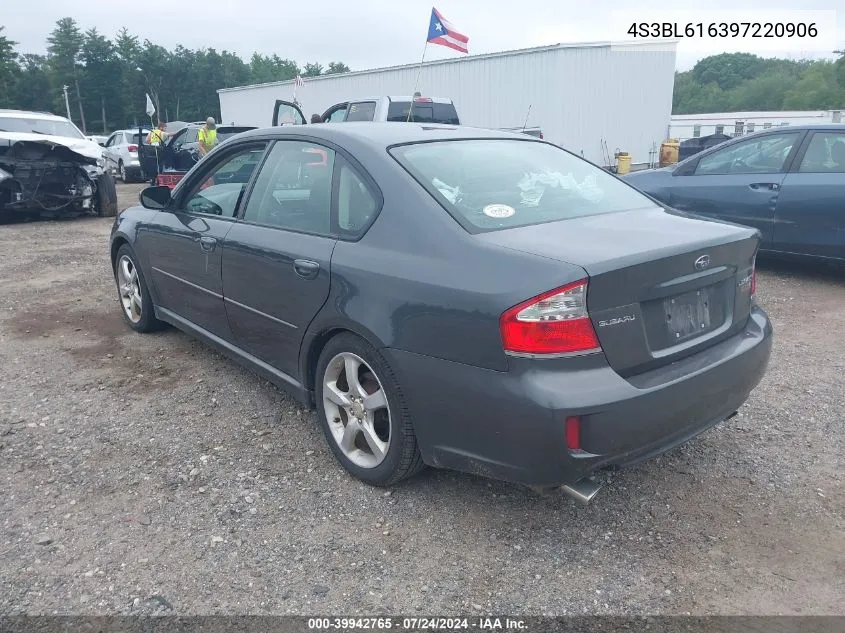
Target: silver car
x,y
122,153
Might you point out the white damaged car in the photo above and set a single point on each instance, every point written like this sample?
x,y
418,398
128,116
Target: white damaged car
x,y
48,167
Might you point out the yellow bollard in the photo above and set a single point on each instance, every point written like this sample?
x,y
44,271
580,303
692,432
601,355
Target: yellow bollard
x,y
623,162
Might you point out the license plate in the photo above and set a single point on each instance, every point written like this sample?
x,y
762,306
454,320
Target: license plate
x,y
688,315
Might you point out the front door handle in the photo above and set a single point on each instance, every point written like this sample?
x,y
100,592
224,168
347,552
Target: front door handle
x,y
208,243
765,186
306,268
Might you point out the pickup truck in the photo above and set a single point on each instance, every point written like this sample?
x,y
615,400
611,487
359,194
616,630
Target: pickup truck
x,y
392,108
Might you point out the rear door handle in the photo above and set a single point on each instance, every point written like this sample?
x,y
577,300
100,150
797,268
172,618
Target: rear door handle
x,y
764,186
306,268
208,243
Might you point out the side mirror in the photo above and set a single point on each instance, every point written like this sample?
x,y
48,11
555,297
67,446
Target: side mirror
x,y
156,198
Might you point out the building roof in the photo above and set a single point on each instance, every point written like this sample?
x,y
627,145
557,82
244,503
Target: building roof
x,y
465,58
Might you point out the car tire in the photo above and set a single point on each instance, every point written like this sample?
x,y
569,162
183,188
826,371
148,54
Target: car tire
x,y
381,448
131,286
106,196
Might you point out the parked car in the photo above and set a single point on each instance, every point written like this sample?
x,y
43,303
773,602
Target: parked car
x,y
457,297
122,153
787,182
167,165
47,166
99,140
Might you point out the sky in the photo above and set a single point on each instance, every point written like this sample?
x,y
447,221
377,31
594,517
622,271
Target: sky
x,y
378,33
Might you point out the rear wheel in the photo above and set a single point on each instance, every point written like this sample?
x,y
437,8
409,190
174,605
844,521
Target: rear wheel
x,y
363,413
138,310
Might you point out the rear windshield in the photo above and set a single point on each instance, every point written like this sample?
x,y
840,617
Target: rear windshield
x,y
424,112
501,183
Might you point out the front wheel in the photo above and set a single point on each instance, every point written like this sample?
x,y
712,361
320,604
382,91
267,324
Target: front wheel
x,y
106,196
363,413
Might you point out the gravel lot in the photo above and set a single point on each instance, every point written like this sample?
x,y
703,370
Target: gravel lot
x,y
148,474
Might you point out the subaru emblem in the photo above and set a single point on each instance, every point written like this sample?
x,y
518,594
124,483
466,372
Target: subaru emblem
x,y
702,262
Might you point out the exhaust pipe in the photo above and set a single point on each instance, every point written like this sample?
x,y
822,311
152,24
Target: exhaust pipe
x,y
582,491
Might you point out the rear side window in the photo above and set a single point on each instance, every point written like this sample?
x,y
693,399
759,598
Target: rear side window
x,y
424,112
502,183
365,111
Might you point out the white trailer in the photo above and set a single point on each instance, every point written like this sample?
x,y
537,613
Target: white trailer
x,y
587,97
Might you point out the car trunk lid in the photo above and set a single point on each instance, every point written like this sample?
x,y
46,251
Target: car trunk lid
x,y
662,285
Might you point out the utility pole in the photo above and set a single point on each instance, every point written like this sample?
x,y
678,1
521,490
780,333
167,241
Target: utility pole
x,y
67,103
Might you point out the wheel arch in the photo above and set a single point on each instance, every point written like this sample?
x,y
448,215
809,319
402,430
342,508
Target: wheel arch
x,y
317,340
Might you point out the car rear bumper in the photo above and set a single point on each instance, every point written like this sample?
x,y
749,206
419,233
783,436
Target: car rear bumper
x,y
511,425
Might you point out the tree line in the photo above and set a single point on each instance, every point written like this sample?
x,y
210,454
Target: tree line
x,y
735,82
107,79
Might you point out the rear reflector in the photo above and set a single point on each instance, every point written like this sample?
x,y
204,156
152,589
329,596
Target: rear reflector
x,y
555,322
573,433
754,279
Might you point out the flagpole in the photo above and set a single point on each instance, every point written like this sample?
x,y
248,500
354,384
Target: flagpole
x,y
417,83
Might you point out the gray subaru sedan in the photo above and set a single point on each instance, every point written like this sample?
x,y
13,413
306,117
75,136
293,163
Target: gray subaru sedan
x,y
454,297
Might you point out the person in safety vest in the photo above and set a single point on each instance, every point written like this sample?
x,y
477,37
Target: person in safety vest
x,y
158,135
208,136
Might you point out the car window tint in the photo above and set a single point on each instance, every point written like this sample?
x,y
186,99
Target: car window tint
x,y
825,154
294,189
424,112
191,136
356,205
504,183
220,191
764,155
337,115
364,111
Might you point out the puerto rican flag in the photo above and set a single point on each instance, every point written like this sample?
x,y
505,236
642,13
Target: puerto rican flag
x,y
440,31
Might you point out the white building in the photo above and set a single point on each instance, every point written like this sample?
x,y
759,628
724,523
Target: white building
x,y
684,126
594,98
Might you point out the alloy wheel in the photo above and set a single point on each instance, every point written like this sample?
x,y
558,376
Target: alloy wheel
x,y
129,286
356,410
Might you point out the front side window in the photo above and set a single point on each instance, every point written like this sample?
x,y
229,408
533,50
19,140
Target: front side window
x,y
294,189
191,136
221,190
502,183
364,111
764,155
337,115
825,154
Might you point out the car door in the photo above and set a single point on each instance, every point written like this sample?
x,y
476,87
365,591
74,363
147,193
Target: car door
x,y
287,113
810,213
739,182
186,154
276,260
111,158
185,242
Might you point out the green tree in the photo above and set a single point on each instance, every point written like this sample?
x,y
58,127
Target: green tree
x,y
63,54
9,70
312,70
34,90
336,67
102,73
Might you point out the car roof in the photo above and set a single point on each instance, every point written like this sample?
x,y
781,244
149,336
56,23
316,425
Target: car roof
x,y
26,114
385,134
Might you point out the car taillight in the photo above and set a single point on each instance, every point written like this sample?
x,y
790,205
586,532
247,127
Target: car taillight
x,y
753,280
133,148
555,322
422,100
